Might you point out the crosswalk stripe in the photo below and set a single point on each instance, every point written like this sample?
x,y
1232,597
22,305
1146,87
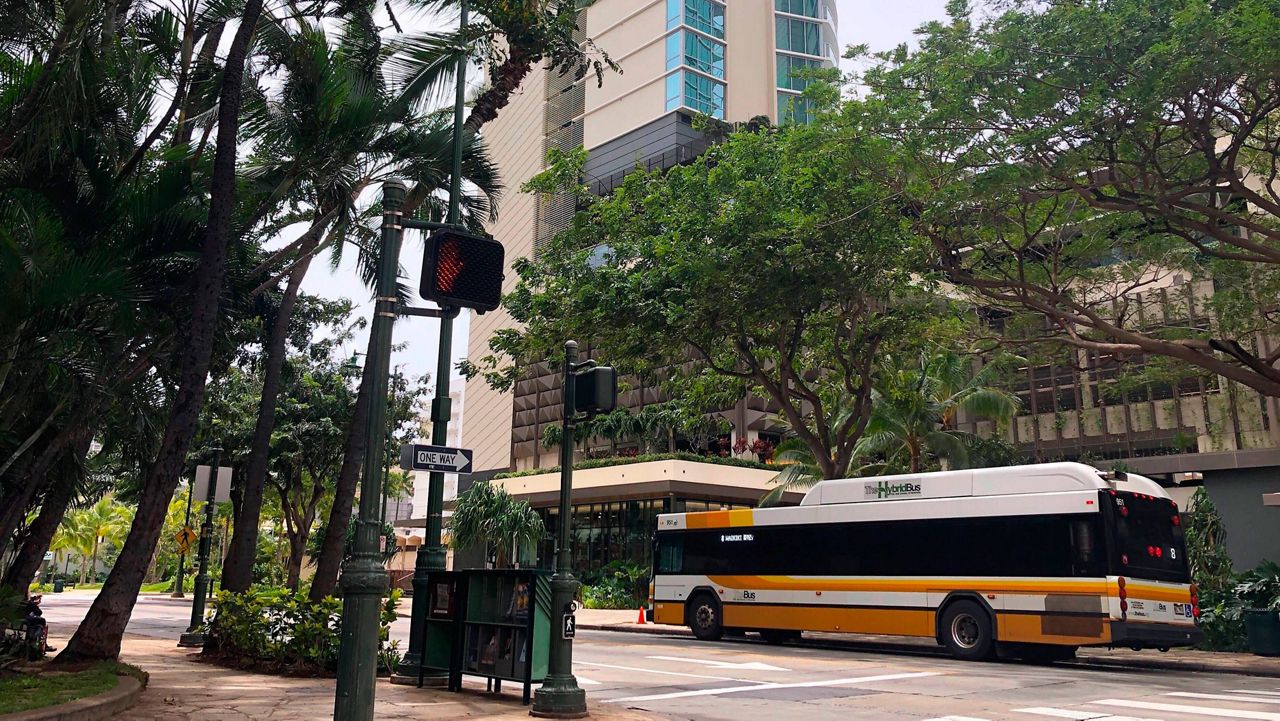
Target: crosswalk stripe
x,y
1079,715
584,681
1223,697
1251,691
1062,713
956,718
1182,708
773,686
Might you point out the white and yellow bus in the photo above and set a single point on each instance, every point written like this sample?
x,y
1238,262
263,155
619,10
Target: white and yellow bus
x,y
1038,559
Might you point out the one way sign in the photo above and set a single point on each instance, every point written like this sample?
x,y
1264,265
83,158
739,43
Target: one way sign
x,y
414,457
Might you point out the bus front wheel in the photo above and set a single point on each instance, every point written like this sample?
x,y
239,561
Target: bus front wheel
x,y
704,617
966,631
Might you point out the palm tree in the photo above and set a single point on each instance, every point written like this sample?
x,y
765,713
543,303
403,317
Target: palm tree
x,y
106,522
486,515
915,408
332,128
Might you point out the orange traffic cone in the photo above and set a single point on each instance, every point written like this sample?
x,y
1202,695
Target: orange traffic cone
x,y
641,619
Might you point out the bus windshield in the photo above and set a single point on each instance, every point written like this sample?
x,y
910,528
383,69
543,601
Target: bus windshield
x,y
1148,537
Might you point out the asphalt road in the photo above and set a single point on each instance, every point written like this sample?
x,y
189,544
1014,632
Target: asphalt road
x,y
680,678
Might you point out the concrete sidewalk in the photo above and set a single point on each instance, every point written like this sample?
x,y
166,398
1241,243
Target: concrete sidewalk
x,y
1177,659
183,688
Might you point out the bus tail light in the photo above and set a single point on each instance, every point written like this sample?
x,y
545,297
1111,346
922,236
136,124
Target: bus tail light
x,y
1124,511
1177,521
1195,602
1124,598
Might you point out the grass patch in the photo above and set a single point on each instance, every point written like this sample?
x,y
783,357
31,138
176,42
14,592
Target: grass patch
x,y
25,691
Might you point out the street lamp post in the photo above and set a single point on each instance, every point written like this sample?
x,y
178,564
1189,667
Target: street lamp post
x,y
194,636
560,696
364,580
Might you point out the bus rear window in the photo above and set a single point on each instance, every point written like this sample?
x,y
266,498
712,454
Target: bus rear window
x,y
1148,541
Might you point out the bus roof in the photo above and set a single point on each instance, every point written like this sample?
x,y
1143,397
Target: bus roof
x,y
1009,480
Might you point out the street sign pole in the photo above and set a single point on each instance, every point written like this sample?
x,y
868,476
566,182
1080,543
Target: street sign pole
x,y
364,579
180,582
560,696
431,556
194,636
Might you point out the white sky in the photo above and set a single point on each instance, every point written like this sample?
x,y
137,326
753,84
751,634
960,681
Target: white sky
x,y
882,25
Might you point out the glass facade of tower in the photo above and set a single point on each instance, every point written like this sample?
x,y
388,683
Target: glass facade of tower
x,y
803,31
695,56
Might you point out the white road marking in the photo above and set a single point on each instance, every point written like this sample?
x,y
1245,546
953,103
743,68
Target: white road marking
x,y
1201,710
749,666
1251,691
1078,715
584,681
666,673
1062,713
771,686
1223,697
956,718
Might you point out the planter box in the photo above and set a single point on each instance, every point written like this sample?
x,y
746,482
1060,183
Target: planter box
x,y
1264,632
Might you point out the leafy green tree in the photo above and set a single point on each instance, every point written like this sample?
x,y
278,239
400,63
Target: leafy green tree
x,y
737,263
488,517
1070,160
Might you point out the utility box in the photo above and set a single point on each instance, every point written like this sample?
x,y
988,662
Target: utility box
x,y
490,623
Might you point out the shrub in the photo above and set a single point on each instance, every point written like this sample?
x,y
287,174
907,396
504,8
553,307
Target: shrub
x,y
1220,614
619,584
608,593
274,629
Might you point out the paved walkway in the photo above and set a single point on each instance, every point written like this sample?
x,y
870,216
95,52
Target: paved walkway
x,y
1179,659
183,688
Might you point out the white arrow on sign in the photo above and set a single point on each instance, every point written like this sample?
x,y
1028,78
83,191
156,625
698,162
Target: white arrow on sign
x,y
750,666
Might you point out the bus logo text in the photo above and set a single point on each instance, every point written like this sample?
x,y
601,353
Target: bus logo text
x,y
884,489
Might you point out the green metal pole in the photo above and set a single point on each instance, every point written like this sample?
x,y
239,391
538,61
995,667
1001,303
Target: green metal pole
x,y
559,696
193,636
432,555
180,582
364,580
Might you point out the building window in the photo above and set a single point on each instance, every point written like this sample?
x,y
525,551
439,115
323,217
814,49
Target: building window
x,y
787,67
793,108
703,15
697,51
695,91
799,36
808,8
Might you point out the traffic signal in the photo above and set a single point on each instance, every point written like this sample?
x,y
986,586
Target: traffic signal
x,y
462,270
595,390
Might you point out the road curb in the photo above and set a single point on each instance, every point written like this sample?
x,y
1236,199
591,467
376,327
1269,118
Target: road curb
x,y
91,708
1096,662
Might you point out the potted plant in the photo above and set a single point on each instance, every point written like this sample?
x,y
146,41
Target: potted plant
x,y
1259,596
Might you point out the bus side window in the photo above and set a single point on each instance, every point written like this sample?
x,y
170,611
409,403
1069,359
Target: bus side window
x,y
670,553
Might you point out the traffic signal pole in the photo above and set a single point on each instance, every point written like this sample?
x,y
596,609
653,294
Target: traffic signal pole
x,y
431,557
364,579
560,696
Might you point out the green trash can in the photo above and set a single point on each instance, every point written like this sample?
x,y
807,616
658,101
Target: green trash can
x,y
57,585
1263,628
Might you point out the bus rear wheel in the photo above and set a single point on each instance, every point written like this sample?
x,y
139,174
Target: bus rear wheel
x,y
966,631
704,617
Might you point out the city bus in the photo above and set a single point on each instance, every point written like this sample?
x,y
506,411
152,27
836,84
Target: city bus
x,y
1028,561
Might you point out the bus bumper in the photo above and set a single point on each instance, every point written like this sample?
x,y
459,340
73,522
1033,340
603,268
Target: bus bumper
x,y
1153,635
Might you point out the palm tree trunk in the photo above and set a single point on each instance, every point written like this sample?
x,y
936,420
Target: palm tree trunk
x,y
504,80
335,533
237,569
99,635
40,535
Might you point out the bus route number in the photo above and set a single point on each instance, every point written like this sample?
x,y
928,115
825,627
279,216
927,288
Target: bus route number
x,y
733,537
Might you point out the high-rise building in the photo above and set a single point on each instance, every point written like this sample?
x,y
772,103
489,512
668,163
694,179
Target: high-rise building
x,y
733,61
